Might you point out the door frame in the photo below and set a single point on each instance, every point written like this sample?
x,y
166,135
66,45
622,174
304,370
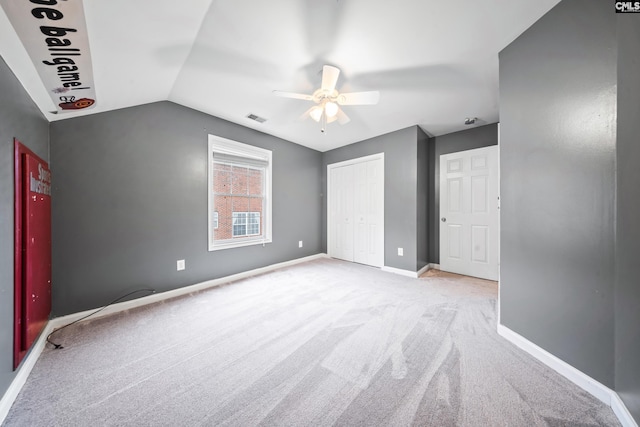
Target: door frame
x,y
377,156
497,188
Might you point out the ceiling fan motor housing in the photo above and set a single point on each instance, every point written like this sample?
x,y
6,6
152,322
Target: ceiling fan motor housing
x,y
323,94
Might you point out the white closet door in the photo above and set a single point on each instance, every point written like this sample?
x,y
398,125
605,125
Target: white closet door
x,y
361,211
369,213
356,211
342,213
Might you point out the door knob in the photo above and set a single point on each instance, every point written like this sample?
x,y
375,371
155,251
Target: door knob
x,y
443,219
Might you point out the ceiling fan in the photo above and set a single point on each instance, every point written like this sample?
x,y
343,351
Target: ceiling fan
x,y
328,100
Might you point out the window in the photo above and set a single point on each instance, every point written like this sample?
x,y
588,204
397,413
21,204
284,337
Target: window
x,y
239,194
246,224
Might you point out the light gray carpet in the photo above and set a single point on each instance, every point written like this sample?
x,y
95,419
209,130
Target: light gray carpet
x,y
318,344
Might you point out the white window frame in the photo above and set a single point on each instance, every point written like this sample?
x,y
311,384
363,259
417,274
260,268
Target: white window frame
x,y
227,146
215,219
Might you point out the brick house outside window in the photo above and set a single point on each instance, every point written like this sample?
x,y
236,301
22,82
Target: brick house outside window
x,y
239,201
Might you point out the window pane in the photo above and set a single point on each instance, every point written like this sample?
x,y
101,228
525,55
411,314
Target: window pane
x,y
224,206
237,192
256,182
240,204
256,205
240,179
239,224
221,178
254,223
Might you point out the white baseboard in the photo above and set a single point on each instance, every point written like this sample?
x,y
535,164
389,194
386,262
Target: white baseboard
x,y
23,372
32,356
422,270
582,380
409,273
621,411
150,299
400,271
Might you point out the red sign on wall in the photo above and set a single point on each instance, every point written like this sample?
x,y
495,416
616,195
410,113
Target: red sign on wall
x,y
32,293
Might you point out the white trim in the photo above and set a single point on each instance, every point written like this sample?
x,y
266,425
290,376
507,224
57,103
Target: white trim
x,y
400,271
621,411
23,372
409,273
229,146
422,270
498,308
31,358
579,378
498,209
582,380
356,160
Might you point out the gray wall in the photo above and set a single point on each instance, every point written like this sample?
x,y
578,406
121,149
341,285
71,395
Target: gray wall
x,y
422,201
558,136
627,299
400,204
20,118
469,139
130,198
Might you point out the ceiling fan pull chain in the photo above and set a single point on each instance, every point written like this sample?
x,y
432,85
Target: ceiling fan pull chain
x,y
324,121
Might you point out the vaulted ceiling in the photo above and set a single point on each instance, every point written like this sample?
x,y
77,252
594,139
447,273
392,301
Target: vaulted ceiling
x,y
433,62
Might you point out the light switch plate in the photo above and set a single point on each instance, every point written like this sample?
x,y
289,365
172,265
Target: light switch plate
x,y
400,252
181,265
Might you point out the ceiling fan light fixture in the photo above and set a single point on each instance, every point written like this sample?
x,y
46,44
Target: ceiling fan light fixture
x,y
329,101
331,109
316,113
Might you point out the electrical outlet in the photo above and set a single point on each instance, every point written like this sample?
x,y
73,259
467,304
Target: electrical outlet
x,y
400,252
181,265
300,244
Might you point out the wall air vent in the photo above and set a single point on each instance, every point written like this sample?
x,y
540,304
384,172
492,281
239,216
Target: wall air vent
x,y
256,118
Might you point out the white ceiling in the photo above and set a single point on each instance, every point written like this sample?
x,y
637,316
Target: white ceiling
x,y
434,62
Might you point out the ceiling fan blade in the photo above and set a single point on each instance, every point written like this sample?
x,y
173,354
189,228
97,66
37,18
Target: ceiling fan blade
x,y
306,113
329,78
293,95
342,117
359,98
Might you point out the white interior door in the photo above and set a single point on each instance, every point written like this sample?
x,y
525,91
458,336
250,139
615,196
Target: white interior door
x,y
355,228
469,212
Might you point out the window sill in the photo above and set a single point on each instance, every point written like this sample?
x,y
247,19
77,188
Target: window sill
x,y
240,244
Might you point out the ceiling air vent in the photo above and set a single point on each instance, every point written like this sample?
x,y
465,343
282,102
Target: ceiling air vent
x,y
256,118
